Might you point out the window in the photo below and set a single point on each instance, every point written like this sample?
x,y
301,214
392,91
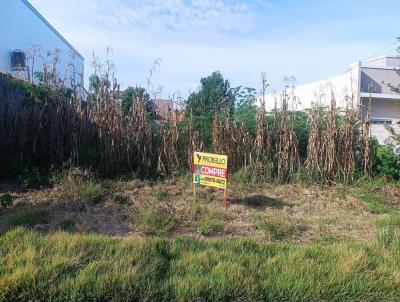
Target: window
x,y
18,60
379,121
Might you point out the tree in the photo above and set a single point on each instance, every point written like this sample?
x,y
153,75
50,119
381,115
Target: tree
x,y
215,96
94,84
245,107
132,93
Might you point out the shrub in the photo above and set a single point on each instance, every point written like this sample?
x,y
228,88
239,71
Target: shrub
x,y
33,178
6,200
386,161
90,192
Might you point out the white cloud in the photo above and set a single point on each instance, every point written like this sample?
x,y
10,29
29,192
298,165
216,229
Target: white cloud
x,y
196,37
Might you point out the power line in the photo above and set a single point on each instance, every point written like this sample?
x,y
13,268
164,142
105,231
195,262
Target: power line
x,y
389,47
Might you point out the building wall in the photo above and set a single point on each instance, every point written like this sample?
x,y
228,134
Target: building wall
x,y
385,61
383,110
23,28
341,86
354,87
377,80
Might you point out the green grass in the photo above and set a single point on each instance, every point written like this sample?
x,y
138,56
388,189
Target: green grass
x,y
66,224
90,192
281,230
388,230
24,217
72,267
160,192
370,192
153,221
211,222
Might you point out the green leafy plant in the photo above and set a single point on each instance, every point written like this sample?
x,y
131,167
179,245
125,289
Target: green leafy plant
x,y
6,200
386,161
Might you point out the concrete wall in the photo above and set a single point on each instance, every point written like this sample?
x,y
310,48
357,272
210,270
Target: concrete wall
x,y
391,61
382,110
342,86
356,83
378,80
24,28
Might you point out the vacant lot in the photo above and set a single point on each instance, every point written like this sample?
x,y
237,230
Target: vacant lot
x,y
153,241
266,212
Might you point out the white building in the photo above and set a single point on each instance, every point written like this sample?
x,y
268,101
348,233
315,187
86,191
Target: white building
x,y
361,81
29,44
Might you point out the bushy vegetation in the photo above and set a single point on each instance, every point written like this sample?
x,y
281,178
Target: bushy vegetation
x,y
6,200
386,158
66,224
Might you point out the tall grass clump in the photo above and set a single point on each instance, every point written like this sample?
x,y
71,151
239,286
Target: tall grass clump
x,y
75,186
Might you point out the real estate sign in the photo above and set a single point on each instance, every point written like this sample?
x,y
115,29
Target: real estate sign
x,y
210,169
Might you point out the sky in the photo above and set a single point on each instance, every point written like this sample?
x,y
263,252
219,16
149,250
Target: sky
x,y
308,39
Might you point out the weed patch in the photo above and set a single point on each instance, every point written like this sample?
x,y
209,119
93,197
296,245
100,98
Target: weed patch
x,y
152,220
66,224
78,186
281,230
160,192
25,217
210,223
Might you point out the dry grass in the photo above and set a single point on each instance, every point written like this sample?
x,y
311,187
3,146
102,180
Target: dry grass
x,y
288,212
76,131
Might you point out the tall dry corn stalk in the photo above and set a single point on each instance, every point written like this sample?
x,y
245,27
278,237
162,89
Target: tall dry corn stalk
x,y
287,154
366,141
313,162
329,146
347,139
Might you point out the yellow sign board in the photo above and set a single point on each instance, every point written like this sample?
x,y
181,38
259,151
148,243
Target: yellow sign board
x,y
210,181
210,169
